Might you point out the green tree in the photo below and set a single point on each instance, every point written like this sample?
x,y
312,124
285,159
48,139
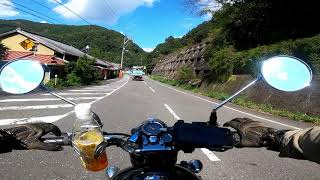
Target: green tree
x,y
82,71
3,49
250,23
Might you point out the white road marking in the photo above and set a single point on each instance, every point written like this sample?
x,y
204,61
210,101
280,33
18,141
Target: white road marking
x,y
50,119
46,99
145,83
110,92
171,111
55,106
72,94
208,153
97,87
86,90
275,122
152,89
47,119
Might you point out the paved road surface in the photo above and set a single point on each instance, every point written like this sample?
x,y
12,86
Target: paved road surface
x,y
124,104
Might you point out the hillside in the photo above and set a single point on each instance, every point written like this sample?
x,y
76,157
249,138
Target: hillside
x,y
200,33
242,32
104,43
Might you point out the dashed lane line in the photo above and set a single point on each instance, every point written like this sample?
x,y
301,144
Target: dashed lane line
x,y
152,89
249,114
208,153
172,112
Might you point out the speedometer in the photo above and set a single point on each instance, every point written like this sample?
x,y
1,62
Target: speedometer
x,y
152,128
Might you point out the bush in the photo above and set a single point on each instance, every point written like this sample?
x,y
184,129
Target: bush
x,y
185,74
227,61
60,84
72,80
221,64
82,72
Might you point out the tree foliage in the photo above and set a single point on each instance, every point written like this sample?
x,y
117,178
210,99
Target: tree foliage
x,y
3,49
82,71
250,23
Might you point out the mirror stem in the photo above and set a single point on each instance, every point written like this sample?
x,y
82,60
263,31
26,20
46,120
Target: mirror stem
x,y
57,95
237,93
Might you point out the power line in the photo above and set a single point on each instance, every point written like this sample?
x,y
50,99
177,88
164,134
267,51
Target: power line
x,y
114,14
36,12
18,9
73,12
41,4
108,13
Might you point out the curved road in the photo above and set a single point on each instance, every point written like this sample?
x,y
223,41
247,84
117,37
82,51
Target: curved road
x,y
124,104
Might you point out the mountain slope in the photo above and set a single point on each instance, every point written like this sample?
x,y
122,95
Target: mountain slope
x,y
104,43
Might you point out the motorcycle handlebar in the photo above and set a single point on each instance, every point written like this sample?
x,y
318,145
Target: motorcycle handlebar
x,y
66,138
63,140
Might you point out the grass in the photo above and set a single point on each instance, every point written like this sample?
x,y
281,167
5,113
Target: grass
x,y
242,101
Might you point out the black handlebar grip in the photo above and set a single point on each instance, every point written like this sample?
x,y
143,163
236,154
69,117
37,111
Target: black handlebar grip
x,y
200,135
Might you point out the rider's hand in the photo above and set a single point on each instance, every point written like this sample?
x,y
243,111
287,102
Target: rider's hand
x,y
28,136
252,133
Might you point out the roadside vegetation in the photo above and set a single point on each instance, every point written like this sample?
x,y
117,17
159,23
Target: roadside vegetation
x,y
3,49
79,73
240,100
243,33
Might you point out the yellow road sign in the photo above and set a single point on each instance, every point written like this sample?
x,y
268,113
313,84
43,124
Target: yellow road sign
x,y
27,44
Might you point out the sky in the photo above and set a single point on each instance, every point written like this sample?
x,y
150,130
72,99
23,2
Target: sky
x,y
146,22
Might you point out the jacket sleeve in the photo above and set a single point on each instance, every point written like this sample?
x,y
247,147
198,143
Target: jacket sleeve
x,y
302,144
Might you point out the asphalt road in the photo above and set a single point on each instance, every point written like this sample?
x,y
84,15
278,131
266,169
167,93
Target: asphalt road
x,y
122,105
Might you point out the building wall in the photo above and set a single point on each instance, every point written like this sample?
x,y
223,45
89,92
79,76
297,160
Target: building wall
x,y
192,57
12,43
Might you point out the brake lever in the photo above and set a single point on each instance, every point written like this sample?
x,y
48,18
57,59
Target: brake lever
x,y
96,117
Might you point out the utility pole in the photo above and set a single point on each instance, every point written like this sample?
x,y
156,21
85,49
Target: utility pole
x,y
125,43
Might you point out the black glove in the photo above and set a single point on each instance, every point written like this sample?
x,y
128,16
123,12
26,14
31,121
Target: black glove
x,y
253,133
28,136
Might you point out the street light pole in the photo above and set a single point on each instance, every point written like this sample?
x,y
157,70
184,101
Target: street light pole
x,y
125,43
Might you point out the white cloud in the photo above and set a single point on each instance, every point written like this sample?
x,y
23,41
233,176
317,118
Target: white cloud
x,y
207,16
148,49
44,22
6,11
52,1
107,11
13,82
211,5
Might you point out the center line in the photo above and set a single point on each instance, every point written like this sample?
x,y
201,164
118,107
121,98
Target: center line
x,y
152,89
208,153
171,111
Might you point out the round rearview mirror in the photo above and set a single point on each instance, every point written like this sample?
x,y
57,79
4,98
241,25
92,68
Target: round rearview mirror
x,y
286,73
21,76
